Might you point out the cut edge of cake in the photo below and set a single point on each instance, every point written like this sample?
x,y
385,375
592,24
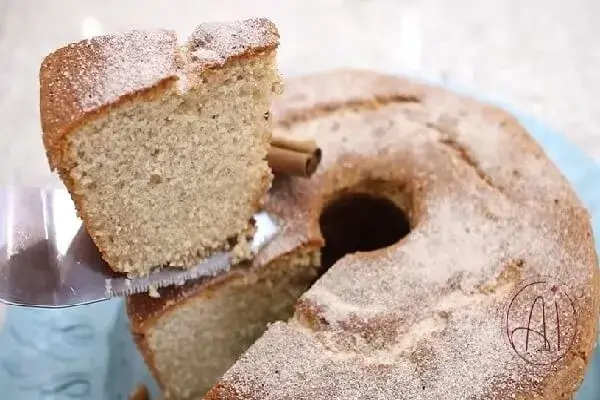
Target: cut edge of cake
x,y
163,146
190,320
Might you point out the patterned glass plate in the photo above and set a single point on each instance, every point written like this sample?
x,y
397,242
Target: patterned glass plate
x,y
87,352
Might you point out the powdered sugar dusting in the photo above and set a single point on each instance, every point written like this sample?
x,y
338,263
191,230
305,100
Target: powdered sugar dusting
x,y
84,77
214,43
100,70
81,78
425,319
127,63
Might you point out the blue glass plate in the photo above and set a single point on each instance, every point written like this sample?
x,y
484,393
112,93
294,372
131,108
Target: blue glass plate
x,y
87,352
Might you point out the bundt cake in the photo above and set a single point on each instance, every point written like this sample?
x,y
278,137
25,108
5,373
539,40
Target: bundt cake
x,y
437,253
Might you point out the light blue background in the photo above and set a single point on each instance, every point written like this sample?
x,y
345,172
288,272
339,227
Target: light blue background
x,y
87,352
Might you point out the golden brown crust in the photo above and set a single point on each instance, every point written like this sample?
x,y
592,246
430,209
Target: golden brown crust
x,y
211,45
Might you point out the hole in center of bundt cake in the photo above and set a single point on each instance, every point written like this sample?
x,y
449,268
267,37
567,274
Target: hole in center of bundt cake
x,y
360,222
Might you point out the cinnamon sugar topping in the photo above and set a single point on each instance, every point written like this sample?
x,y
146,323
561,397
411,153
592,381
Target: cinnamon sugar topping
x,y
214,43
82,78
426,318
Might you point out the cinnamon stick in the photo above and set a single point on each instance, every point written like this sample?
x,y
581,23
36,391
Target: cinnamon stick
x,y
292,157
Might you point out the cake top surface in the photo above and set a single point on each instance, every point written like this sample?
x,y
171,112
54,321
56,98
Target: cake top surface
x,y
82,79
499,242
214,43
442,313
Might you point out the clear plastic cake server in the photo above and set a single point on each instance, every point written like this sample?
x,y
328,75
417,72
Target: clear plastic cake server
x,y
48,260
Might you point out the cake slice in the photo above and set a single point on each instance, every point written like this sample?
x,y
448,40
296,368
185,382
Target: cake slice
x,y
163,147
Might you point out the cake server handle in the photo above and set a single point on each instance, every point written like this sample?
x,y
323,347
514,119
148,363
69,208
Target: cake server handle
x,y
46,257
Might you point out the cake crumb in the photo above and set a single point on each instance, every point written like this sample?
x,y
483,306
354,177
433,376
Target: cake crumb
x,y
241,251
153,292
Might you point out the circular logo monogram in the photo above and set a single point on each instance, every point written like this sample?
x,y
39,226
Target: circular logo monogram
x,y
541,322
